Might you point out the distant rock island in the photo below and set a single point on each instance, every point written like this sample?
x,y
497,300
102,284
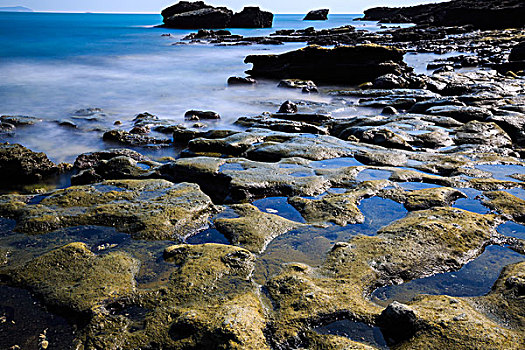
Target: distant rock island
x,y
198,15
483,14
15,9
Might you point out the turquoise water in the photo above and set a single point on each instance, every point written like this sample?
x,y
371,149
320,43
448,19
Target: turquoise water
x,y
54,64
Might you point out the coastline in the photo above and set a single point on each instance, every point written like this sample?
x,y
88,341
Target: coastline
x,y
285,211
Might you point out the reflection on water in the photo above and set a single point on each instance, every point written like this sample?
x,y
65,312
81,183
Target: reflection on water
x,y
474,279
23,319
310,244
356,331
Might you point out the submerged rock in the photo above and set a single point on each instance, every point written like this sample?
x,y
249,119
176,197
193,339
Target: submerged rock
x,y
317,15
241,81
254,229
147,209
340,209
344,64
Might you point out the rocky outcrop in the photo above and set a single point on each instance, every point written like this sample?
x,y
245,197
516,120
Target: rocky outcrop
x,y
317,15
198,15
19,165
518,52
171,211
252,17
485,14
343,65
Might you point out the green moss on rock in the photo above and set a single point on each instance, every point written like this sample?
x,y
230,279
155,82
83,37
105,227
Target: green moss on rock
x,y
253,230
148,209
75,279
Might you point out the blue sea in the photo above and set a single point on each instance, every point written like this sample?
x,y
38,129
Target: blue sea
x,y
52,64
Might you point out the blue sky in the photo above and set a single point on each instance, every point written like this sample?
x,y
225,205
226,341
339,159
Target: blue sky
x,y
154,6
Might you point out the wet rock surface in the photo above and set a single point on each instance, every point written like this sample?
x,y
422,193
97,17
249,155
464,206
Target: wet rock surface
x,y
289,220
147,209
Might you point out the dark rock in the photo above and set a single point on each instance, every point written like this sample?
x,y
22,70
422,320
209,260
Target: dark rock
x,y
198,115
198,15
288,107
307,85
208,17
518,52
67,123
116,168
19,120
140,130
317,15
87,112
313,118
512,122
398,322
183,6
481,133
461,113
241,81
252,17
389,110
126,138
390,81
487,14
343,64
20,165
88,160
423,106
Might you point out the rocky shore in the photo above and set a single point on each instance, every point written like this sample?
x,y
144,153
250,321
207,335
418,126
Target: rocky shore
x,y
265,233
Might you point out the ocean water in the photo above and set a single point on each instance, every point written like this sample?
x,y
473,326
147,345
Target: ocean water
x,y
54,64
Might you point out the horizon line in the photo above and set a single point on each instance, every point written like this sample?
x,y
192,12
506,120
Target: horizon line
x,y
152,13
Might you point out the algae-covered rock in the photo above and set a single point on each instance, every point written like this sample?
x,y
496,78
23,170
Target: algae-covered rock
x,y
253,230
208,302
424,243
241,180
147,209
507,204
453,323
425,198
75,279
404,175
506,299
491,184
338,208
20,165
332,342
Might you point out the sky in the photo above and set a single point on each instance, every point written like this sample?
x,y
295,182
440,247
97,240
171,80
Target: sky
x,y
155,6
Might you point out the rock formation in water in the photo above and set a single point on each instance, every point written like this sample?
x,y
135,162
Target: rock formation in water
x,y
485,14
198,15
317,15
344,64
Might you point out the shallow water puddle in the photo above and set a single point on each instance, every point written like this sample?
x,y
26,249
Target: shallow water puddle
x,y
472,203
356,331
414,186
502,172
23,318
518,192
379,212
512,229
335,163
279,206
373,174
475,279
